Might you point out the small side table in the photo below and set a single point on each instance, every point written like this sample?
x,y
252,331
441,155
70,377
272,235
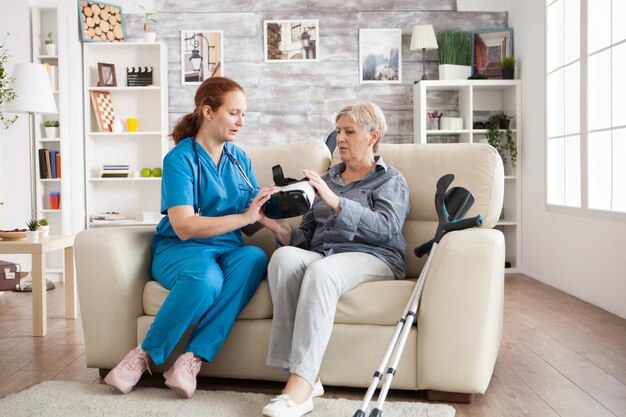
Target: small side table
x,y
38,255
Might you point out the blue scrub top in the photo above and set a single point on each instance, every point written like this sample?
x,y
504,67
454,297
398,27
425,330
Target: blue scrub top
x,y
224,190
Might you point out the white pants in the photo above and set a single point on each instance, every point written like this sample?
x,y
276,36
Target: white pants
x,y
305,288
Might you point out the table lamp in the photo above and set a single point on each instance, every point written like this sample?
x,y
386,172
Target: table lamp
x,y
423,38
33,96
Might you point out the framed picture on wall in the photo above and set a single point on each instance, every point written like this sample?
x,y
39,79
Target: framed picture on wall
x,y
291,40
489,46
201,55
100,22
380,56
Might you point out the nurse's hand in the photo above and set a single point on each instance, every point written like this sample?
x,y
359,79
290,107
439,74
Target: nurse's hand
x,y
253,214
323,191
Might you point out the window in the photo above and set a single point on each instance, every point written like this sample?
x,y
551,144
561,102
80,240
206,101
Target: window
x,y
586,140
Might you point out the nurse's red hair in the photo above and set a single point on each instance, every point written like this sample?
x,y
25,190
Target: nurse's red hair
x,y
210,93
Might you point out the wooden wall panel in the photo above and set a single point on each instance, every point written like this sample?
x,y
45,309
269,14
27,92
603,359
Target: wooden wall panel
x,y
295,101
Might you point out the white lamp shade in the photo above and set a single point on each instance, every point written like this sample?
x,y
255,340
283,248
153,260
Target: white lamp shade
x,y
32,89
423,37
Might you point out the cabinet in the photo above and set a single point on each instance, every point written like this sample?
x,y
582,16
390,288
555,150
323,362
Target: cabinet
x,y
51,19
131,199
474,101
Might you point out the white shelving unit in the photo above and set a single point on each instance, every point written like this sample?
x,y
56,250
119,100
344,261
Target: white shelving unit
x,y
49,17
474,101
133,196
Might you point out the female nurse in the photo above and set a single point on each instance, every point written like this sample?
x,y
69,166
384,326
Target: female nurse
x,y
208,195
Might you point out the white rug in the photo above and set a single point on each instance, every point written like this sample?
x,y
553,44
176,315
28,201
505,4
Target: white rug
x,y
73,399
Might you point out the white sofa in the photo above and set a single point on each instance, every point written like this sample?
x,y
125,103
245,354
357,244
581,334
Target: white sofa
x,y
452,349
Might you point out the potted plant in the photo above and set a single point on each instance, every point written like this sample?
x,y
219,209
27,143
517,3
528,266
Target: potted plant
x,y
52,128
51,48
147,19
500,136
32,232
7,93
455,54
507,64
44,227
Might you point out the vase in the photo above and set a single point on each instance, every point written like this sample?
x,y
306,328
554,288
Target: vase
x,y
508,73
32,236
44,231
52,132
149,36
454,72
51,49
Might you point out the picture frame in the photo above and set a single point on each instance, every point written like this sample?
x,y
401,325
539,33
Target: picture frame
x,y
201,55
380,56
106,75
488,47
100,22
103,110
295,40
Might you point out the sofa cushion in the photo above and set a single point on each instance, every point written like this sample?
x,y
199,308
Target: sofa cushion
x,y
378,303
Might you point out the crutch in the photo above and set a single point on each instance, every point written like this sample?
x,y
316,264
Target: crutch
x,y
450,206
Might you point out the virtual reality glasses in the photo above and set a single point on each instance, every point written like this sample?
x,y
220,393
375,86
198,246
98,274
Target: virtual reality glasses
x,y
293,198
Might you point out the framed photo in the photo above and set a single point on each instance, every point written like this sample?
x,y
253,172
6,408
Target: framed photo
x,y
103,109
291,40
380,56
106,75
488,47
100,22
201,55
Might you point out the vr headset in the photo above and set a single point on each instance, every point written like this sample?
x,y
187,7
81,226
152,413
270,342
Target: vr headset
x,y
293,198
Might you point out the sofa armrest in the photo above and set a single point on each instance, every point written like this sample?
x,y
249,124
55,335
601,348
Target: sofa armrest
x,y
112,268
461,311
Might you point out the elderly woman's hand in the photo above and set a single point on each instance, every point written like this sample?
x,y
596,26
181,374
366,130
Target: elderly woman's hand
x,y
323,191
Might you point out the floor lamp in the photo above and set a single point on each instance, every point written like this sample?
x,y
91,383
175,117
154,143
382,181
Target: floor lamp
x,y
423,37
33,96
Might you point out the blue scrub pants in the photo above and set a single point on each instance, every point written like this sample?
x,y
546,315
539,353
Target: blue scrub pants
x,y
208,285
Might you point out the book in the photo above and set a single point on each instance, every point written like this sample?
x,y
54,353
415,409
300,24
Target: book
x,y
48,167
53,164
42,164
58,160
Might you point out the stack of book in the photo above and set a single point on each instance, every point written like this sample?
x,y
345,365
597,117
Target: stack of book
x,y
115,171
49,164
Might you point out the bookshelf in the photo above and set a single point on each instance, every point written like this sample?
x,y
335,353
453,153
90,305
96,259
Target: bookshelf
x,y
474,101
128,199
45,18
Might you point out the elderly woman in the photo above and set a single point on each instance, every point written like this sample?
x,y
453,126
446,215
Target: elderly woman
x,y
352,234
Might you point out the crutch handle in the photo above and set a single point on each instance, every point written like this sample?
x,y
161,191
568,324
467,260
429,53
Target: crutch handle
x,y
463,224
424,248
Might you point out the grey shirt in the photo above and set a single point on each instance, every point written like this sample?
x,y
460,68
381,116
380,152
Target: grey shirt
x,y
373,210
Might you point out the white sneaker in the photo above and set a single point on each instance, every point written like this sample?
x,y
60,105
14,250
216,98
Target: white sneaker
x,y
283,406
318,389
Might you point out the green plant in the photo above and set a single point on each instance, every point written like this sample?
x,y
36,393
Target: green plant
x,y
500,136
51,123
147,17
454,47
508,62
43,222
7,93
32,225
49,41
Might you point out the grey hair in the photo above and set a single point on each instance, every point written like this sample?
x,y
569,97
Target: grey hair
x,y
368,116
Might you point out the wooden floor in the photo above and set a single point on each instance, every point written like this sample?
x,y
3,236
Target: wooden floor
x,y
559,356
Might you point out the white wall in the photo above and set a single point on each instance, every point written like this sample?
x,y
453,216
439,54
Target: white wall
x,y
15,173
579,254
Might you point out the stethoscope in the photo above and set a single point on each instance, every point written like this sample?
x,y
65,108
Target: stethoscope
x,y
233,160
